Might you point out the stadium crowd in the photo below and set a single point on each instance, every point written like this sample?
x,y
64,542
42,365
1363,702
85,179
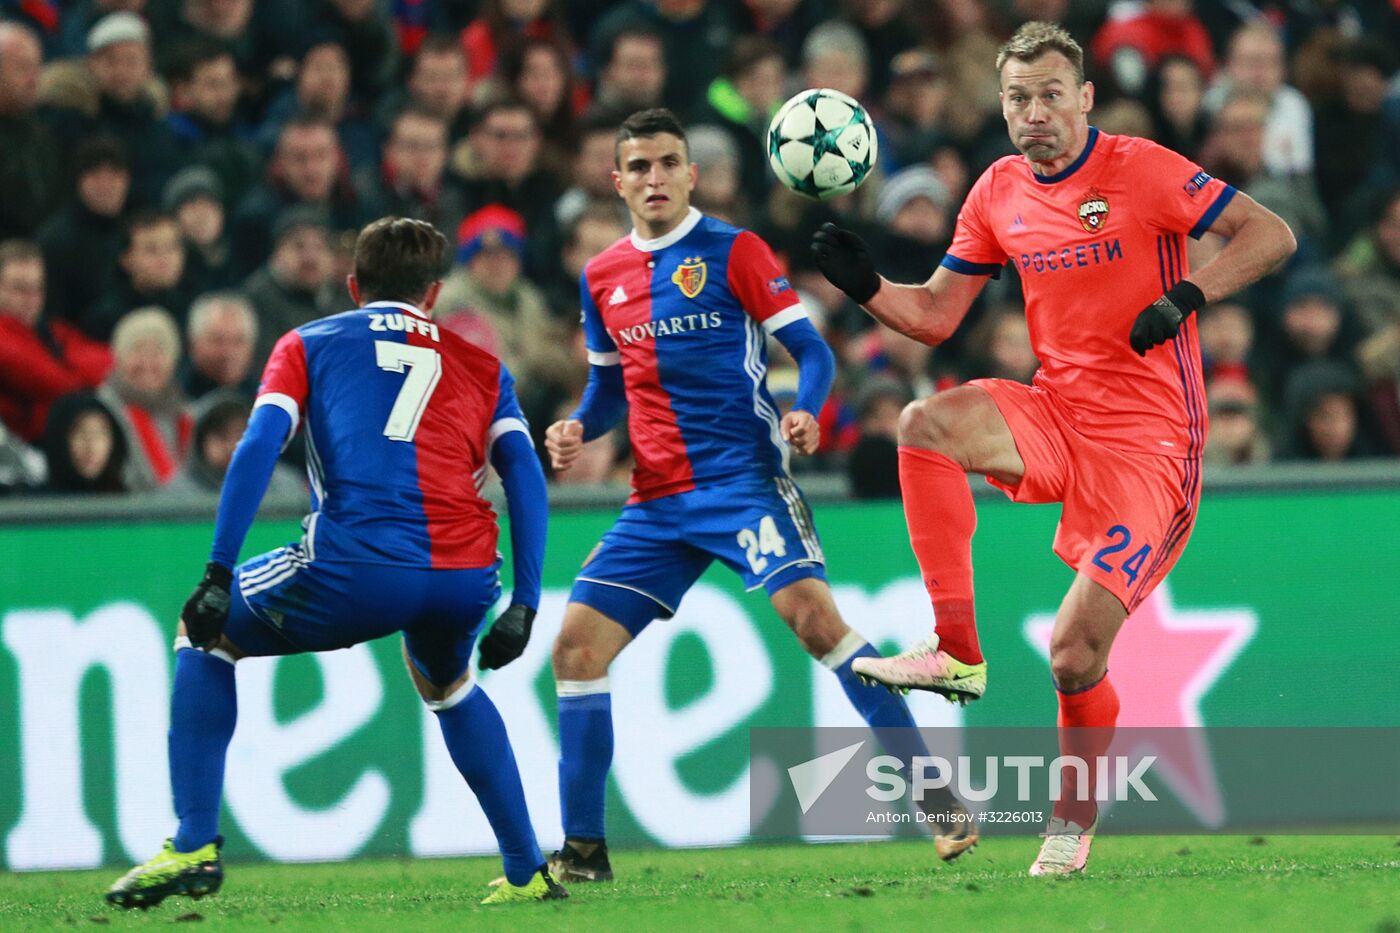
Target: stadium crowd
x,y
182,182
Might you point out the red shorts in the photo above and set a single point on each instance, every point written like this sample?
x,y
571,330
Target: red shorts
x,y
1126,515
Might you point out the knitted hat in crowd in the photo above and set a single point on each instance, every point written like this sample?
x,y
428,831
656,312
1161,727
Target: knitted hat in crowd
x,y
494,225
117,27
903,187
197,181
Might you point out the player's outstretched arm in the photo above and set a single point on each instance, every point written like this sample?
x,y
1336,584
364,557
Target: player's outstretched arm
x,y
816,370
514,459
1258,241
249,472
928,313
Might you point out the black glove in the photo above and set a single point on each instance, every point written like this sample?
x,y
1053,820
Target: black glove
x,y
507,638
845,261
1160,321
206,611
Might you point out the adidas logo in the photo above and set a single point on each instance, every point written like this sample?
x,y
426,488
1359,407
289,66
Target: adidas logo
x,y
618,296
1017,224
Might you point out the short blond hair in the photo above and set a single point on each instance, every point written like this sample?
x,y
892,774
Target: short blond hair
x,y
149,323
1035,39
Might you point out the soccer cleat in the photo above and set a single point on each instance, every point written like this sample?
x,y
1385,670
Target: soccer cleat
x,y
1065,849
569,864
925,667
193,874
952,838
540,887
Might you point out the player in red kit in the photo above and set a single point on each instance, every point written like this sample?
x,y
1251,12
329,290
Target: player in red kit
x,y
1115,421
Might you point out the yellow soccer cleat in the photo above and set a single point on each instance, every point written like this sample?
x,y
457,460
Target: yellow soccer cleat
x,y
192,874
926,667
541,887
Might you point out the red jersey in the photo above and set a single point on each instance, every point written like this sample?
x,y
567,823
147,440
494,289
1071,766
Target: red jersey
x,y
1094,245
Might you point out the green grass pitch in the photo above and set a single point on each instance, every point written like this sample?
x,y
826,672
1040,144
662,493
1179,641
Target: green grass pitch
x,y
1134,883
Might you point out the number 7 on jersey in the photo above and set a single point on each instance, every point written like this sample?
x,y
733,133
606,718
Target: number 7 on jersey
x,y
424,368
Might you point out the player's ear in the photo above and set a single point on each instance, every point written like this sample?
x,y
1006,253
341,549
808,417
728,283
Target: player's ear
x,y
617,182
1086,97
354,288
694,175
430,297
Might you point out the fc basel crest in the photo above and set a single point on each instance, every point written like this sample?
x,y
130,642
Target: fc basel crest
x,y
690,276
1093,211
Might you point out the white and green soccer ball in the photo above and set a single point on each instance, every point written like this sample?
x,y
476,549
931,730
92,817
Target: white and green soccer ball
x,y
822,143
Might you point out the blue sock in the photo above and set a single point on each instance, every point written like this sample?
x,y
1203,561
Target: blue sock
x,y
886,713
585,755
203,711
477,741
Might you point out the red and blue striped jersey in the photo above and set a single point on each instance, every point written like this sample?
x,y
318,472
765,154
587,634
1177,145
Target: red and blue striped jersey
x,y
686,316
399,418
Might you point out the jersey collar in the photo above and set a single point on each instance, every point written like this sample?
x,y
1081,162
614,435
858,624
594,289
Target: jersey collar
x,y
1073,167
399,305
650,246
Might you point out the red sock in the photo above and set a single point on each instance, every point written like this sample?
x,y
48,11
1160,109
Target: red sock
x,y
938,509
1086,722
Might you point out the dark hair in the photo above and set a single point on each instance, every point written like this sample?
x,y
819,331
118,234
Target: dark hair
x,y
62,476
747,53
145,220
632,30
647,123
17,250
506,103
398,259
190,56
438,43
101,151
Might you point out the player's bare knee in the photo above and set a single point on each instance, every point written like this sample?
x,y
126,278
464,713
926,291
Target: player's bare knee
x,y
931,423
575,657
1075,664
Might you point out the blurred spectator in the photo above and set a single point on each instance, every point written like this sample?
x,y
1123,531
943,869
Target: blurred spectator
x,y
204,91
81,243
1349,130
502,26
151,271
540,75
1237,152
785,22
39,360
695,36
486,300
591,174
1138,36
718,192
1236,436
306,169
219,421
194,198
834,55
1314,324
999,346
30,161
914,109
146,400
297,284
1369,269
742,100
364,30
1226,331
631,74
1255,63
322,92
1322,415
505,169
914,212
593,231
437,82
221,335
873,466
114,91
85,447
410,181
1124,117
258,34
1175,98
886,31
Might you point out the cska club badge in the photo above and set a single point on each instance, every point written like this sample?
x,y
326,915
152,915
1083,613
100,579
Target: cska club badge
x,y
690,276
1093,211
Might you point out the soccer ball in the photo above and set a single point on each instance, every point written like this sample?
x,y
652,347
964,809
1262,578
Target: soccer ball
x,y
822,143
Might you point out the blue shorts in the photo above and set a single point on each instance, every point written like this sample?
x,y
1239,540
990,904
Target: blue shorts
x,y
284,603
656,550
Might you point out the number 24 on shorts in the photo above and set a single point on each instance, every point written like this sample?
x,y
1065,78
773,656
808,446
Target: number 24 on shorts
x,y
1122,540
767,541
